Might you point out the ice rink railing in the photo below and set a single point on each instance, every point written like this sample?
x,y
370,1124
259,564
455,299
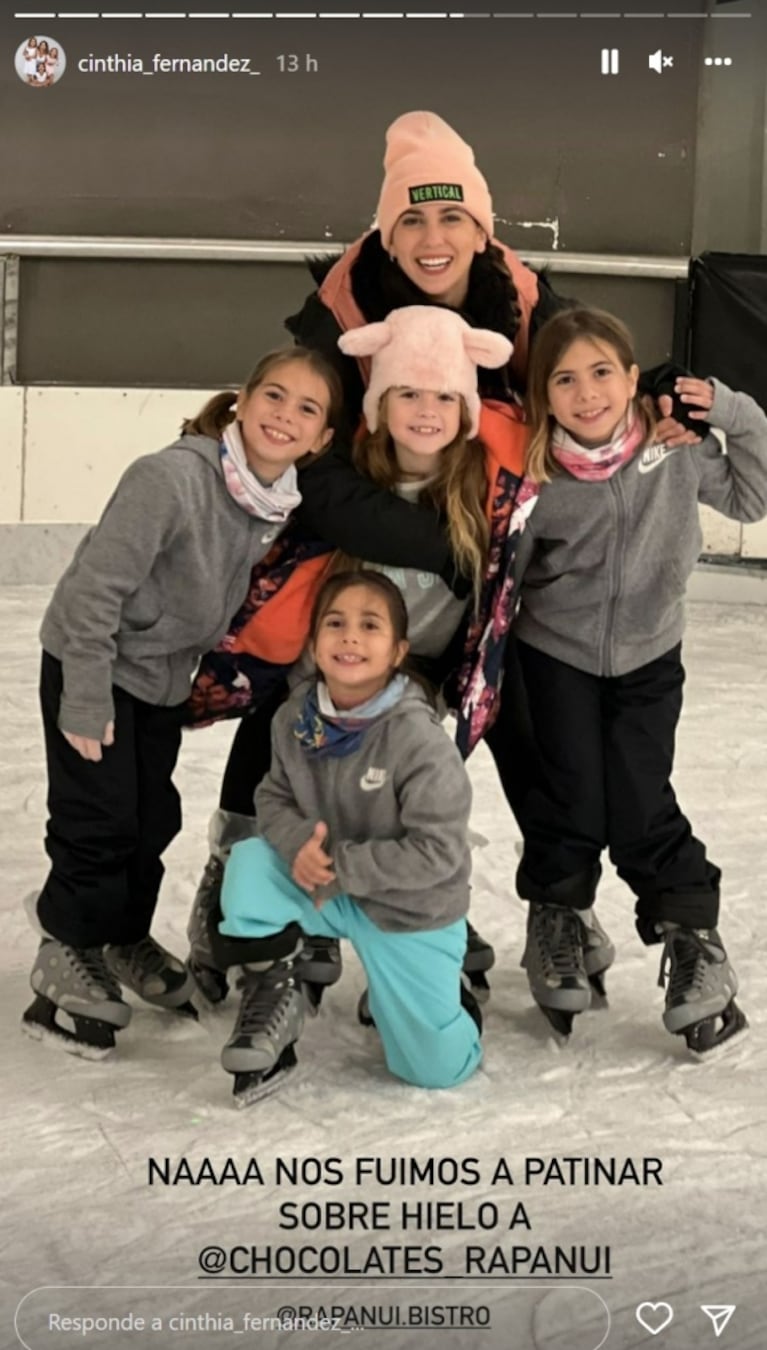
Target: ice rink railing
x,y
15,247
297,251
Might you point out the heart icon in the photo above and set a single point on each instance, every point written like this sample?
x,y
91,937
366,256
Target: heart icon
x,y
654,1316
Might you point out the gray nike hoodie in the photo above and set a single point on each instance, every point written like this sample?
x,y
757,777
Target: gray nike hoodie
x,y
604,566
397,811
153,585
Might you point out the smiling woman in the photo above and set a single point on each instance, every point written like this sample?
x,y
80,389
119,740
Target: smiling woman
x,y
434,243
435,247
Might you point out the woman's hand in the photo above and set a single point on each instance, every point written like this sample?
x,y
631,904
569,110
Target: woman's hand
x,y
87,746
699,392
312,866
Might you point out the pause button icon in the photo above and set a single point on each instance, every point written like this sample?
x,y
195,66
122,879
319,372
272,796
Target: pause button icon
x,y
610,63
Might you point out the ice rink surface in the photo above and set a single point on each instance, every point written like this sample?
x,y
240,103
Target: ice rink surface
x,y
77,1136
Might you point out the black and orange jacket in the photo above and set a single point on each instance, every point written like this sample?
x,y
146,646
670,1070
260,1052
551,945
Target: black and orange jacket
x,y
270,630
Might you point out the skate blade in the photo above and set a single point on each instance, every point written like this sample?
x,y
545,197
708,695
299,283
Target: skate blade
x,y
91,1039
561,1022
255,1087
713,1033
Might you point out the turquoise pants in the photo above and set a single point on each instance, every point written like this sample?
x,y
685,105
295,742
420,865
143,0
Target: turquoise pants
x,y
414,978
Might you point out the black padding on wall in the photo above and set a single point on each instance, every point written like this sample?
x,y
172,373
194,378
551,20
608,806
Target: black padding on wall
x,y
728,320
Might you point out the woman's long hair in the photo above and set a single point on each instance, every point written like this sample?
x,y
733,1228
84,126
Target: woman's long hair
x,y
550,345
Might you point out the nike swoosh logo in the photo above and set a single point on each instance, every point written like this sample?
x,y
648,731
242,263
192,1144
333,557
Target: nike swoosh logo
x,y
653,455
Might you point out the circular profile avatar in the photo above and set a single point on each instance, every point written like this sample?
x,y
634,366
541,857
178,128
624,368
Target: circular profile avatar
x,y
40,61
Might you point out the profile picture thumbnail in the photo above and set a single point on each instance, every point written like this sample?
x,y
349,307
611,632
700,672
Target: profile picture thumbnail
x,y
40,61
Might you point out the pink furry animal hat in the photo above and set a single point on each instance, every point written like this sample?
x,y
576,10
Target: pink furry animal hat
x,y
425,347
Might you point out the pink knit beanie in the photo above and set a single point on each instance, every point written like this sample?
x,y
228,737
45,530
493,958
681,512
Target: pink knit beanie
x,y
425,347
426,161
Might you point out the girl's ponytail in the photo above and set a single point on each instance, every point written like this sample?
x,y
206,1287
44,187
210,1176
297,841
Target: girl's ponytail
x,y
213,418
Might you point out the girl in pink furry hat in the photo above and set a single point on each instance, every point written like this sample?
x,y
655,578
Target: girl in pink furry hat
x,y
378,840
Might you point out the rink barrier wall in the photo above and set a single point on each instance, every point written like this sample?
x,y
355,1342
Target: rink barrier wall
x,y
192,287
64,449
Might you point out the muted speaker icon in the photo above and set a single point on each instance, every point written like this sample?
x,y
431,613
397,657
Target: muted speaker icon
x,y
659,61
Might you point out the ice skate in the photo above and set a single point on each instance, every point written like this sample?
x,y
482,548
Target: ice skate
x,y
479,958
211,981
78,1003
701,988
555,965
320,967
154,974
271,1015
598,951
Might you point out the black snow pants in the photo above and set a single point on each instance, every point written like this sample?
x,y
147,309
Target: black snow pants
x,y
109,822
606,746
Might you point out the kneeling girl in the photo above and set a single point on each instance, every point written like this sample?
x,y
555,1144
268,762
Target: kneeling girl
x,y
363,822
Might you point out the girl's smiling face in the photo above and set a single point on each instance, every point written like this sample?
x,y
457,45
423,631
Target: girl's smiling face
x,y
284,418
421,423
355,646
589,391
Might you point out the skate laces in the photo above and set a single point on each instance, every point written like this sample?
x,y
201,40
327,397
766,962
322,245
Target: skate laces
x,y
260,1011
144,958
685,961
93,970
559,938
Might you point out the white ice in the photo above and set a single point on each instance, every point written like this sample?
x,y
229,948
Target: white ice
x,y
77,1209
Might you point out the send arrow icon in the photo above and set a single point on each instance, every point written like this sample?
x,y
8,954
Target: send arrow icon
x,y
720,1314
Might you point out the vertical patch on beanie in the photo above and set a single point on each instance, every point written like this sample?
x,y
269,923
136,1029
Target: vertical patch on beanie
x,y
435,192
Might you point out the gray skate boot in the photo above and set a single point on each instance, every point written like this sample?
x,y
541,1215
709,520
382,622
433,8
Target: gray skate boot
x,y
225,829
554,961
271,1016
700,995
320,967
598,951
206,905
479,958
154,974
78,1003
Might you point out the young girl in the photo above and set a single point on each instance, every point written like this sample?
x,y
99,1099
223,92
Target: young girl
x,y
605,564
51,64
30,60
422,410
363,835
150,587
